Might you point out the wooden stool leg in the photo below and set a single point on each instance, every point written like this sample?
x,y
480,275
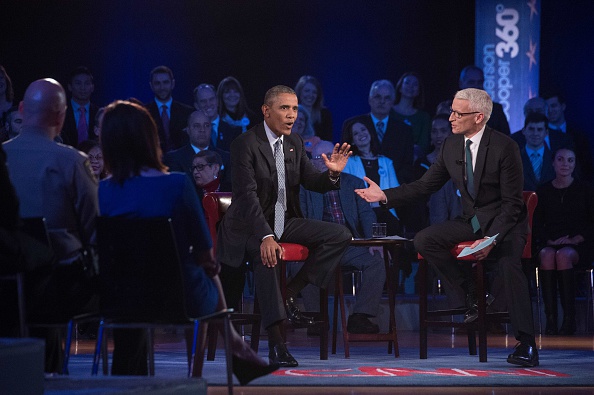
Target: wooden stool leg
x,y
423,309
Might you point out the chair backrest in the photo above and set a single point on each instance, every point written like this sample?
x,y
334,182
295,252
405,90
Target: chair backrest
x,y
531,200
140,273
215,206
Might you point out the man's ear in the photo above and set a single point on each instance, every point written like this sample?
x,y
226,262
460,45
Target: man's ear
x,y
265,110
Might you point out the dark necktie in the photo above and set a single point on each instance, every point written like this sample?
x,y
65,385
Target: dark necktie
x,y
381,130
536,164
470,183
280,205
165,120
82,127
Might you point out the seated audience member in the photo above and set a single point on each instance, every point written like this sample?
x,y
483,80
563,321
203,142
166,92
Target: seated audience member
x,y
564,232
444,204
345,207
80,116
55,182
554,138
98,118
303,128
269,164
583,151
366,162
13,122
310,95
410,100
205,99
473,77
170,115
199,132
6,97
141,187
537,159
206,171
394,137
236,116
95,154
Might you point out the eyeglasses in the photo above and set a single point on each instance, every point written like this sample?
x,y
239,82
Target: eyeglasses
x,y
319,157
97,158
200,167
459,114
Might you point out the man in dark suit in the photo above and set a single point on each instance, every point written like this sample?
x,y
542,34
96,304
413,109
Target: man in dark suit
x,y
345,207
473,77
79,124
198,129
394,137
170,116
485,166
537,159
205,99
269,166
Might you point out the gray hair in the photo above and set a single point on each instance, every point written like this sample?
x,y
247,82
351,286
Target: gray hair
x,y
379,83
275,91
478,100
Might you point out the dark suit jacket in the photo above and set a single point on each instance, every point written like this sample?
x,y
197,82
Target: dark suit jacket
x,y
70,131
255,190
178,121
358,214
498,183
547,173
226,133
498,120
181,160
398,143
557,139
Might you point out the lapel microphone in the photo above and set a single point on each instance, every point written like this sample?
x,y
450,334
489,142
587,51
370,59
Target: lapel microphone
x,y
459,161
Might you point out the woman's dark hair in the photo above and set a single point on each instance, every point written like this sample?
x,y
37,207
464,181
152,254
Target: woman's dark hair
x,y
347,136
87,145
242,107
9,90
130,141
211,157
419,101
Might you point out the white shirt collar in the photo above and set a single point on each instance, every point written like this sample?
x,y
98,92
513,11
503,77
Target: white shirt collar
x,y
272,138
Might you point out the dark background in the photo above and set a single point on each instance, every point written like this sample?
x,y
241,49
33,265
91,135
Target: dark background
x,y
345,44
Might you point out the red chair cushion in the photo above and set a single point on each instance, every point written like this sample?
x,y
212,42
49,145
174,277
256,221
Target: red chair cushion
x,y
295,252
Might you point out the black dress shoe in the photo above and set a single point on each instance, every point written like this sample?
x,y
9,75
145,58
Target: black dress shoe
x,y
294,315
360,324
524,355
280,357
246,371
472,313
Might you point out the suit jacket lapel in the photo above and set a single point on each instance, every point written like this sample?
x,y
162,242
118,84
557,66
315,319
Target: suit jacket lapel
x,y
480,159
266,152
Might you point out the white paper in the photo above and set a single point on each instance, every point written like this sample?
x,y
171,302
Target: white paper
x,y
469,251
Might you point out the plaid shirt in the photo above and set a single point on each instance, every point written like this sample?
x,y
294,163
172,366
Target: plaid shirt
x,y
332,208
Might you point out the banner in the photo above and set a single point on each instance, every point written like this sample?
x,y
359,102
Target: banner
x,y
508,50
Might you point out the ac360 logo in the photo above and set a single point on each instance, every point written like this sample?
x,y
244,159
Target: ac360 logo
x,y
507,19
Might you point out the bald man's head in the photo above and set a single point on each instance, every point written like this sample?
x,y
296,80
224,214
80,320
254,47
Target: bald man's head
x,y
44,106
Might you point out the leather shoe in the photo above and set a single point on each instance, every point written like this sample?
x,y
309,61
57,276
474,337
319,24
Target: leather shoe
x,y
360,324
294,315
246,371
524,355
472,313
280,357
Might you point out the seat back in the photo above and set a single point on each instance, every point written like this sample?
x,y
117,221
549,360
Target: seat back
x,y
531,200
215,206
140,274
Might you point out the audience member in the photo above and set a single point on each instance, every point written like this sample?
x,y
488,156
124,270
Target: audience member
x,y
537,159
93,150
492,207
366,162
345,207
444,204
205,99
265,211
206,172
236,117
410,100
98,119
564,230
198,129
13,122
170,115
303,128
395,138
554,139
310,95
556,114
141,187
473,77
79,124
55,182
6,92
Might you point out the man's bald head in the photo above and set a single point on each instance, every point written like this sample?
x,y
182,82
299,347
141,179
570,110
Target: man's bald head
x,y
44,106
